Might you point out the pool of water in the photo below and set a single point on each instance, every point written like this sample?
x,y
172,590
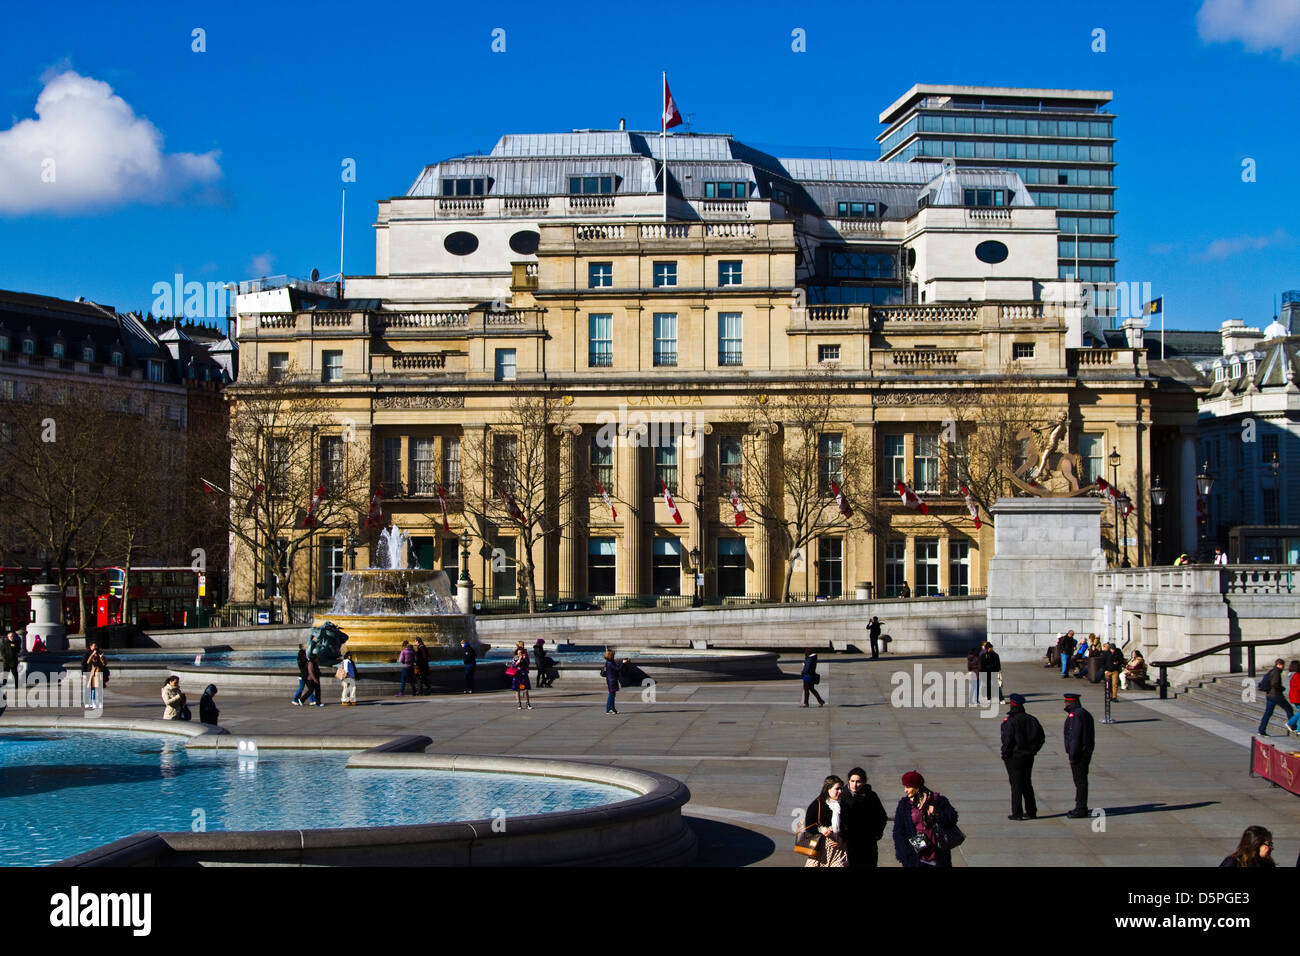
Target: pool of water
x,y
289,659
65,793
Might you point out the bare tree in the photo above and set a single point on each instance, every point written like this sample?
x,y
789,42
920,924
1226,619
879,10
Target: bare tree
x,y
296,472
515,477
799,451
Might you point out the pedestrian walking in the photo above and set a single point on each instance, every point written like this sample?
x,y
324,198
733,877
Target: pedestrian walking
x,y
470,658
174,707
348,668
1065,645
873,631
918,819
422,666
95,668
302,675
1022,738
810,678
1254,849
518,673
1112,664
9,654
991,667
862,820
313,681
1080,741
1293,695
406,658
1275,696
611,671
973,672
208,712
826,816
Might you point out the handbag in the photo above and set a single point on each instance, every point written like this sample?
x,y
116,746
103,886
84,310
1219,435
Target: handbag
x,y
511,671
808,841
341,673
948,838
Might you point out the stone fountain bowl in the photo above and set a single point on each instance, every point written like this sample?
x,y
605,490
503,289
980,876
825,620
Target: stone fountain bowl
x,y
380,608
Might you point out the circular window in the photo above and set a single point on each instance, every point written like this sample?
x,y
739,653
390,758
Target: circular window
x,y
525,242
460,243
991,252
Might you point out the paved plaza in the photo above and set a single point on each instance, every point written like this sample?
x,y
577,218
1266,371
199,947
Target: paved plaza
x,y
1173,782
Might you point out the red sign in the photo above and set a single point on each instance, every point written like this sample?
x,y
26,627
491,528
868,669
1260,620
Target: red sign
x,y
1276,765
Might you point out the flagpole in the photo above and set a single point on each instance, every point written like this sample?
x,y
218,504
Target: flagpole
x,y
663,135
1162,328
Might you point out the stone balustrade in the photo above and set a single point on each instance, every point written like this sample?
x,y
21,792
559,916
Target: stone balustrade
x,y
419,361
379,321
461,207
923,358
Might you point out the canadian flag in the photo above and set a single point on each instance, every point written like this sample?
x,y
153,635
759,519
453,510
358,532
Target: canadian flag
x,y
512,507
604,494
252,499
911,499
1113,494
736,507
668,500
375,516
971,506
317,497
442,500
671,116
841,501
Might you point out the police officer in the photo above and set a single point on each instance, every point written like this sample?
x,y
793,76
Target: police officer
x,y
1022,738
1079,743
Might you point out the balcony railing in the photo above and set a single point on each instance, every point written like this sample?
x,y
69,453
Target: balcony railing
x,y
923,358
730,357
591,203
665,359
379,321
461,207
665,230
420,360
600,359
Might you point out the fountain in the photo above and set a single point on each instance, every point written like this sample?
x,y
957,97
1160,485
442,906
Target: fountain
x,y
390,602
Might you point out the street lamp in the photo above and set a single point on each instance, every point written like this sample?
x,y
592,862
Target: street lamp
x,y
1157,501
464,557
351,550
1114,460
1125,505
696,557
695,574
1204,484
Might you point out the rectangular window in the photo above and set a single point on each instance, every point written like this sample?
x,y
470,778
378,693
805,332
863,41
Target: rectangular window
x,y
464,187
269,576
4,343
155,371
958,566
731,567
29,346
665,345
331,463
895,461
601,565
451,560
423,479
830,567
58,350
600,275
1271,515
666,563
87,354
392,466
591,185
1091,452
895,570
602,463
958,453
666,460
8,389
1267,448
600,341
729,272
1022,350
331,566
731,464
277,366
729,338
451,467
927,463
828,353
856,210
505,365
504,568
927,567
331,366
278,465
830,461
665,274
505,461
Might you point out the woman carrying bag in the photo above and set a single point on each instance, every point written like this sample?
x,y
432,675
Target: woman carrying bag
x,y
821,828
810,678
925,825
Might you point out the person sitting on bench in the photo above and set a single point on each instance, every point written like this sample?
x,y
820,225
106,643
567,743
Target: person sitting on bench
x,y
1135,670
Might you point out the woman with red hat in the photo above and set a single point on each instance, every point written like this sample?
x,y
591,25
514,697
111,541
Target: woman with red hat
x,y
921,814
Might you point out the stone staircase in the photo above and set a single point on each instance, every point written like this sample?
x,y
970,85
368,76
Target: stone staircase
x,y
1222,695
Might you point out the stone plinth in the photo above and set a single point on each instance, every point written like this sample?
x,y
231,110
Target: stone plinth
x,y
1041,576
46,601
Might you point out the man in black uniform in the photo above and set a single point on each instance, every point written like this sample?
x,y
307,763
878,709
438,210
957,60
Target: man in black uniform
x,y
873,629
1079,743
862,820
1022,738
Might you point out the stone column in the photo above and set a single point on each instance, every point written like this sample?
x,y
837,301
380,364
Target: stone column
x,y
630,489
706,508
568,566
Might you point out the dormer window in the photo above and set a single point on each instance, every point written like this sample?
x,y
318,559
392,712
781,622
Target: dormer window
x,y
58,350
1236,370
117,359
731,190
29,346
591,185
1218,373
856,210
1250,368
4,342
88,354
464,187
984,197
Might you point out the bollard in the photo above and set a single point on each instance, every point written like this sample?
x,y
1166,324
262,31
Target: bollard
x,y
1164,683
1107,719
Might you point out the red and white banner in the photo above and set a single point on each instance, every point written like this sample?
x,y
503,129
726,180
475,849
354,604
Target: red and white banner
x,y
442,502
841,501
375,516
309,519
604,494
1113,495
512,507
736,507
911,498
971,506
668,500
671,115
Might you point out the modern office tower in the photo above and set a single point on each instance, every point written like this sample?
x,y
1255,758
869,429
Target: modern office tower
x,y
1060,142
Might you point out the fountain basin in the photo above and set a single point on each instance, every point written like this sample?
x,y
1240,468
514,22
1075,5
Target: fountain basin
x,y
374,637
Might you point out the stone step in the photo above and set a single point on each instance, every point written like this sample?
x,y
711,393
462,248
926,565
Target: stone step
x,y
1222,695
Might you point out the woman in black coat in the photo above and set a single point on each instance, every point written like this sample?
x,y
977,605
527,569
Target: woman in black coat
x,y
826,816
932,810
809,678
864,820
208,712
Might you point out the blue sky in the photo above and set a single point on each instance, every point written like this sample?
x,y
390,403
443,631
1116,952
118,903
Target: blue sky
x,y
225,164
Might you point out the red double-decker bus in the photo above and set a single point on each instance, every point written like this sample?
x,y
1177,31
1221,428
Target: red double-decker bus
x,y
159,597
16,609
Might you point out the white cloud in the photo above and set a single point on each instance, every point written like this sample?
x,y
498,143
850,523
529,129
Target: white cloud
x,y
86,150
1259,24
261,265
1231,246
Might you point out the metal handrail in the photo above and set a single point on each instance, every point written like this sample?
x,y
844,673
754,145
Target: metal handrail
x,y
1250,656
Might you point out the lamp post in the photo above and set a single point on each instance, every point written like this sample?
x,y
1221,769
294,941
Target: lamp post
x,y
696,557
1125,505
695,576
1157,502
351,550
1114,460
464,557
1204,484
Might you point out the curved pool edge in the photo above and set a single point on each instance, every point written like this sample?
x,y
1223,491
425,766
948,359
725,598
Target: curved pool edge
x,y
144,725
647,829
